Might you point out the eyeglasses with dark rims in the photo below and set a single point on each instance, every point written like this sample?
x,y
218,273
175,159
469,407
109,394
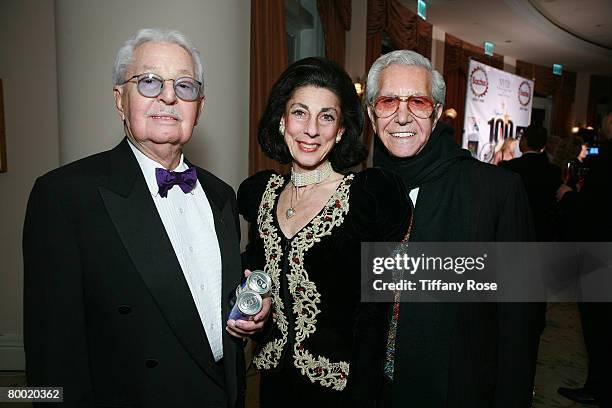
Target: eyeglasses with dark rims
x,y
421,107
151,85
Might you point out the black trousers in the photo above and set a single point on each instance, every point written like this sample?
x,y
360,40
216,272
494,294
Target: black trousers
x,y
596,320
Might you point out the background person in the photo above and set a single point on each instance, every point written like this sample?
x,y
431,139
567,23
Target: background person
x,y
570,157
506,152
595,199
541,180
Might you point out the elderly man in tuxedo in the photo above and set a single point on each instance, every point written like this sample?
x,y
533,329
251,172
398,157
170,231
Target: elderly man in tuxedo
x,y
130,255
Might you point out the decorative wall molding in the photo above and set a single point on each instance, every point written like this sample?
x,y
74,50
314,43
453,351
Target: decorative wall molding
x,y
12,355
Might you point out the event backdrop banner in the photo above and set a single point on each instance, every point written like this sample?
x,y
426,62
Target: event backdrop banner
x,y
497,107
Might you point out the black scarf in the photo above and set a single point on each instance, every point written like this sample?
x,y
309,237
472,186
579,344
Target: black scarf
x,y
431,163
443,195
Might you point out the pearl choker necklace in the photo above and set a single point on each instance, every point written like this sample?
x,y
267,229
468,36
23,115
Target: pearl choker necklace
x,y
311,177
305,179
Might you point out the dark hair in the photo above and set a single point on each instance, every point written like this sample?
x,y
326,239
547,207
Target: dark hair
x,y
322,73
568,149
535,136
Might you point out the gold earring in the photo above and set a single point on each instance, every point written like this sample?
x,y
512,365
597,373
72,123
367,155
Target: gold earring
x,y
281,129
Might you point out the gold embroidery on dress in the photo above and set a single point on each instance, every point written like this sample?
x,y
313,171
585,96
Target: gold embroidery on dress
x,y
317,369
269,356
304,292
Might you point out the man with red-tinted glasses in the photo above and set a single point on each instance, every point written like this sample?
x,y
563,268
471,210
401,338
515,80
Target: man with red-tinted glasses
x,y
450,354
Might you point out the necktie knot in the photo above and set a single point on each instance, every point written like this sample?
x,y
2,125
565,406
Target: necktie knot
x,y
186,180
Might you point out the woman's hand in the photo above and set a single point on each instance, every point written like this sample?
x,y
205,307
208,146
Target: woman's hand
x,y
254,324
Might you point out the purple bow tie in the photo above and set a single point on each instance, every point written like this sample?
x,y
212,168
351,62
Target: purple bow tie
x,y
186,180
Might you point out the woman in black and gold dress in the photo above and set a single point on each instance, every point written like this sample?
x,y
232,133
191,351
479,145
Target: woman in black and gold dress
x,y
323,347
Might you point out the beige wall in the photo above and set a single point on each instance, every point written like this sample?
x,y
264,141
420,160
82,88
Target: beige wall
x,y
356,41
76,98
27,69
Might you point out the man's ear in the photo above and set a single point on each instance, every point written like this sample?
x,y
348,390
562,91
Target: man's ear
x,y
118,94
437,116
201,103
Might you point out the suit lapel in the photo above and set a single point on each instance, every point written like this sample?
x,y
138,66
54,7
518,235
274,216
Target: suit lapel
x,y
132,211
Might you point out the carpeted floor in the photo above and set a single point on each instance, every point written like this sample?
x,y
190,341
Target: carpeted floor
x,y
561,362
562,358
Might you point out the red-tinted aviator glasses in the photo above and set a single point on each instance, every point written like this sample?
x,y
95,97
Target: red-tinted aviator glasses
x,y
420,106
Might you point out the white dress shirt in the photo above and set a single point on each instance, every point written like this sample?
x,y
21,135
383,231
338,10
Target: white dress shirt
x,y
414,194
189,223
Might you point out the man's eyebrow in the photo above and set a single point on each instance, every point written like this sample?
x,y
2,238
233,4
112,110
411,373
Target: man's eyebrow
x,y
185,71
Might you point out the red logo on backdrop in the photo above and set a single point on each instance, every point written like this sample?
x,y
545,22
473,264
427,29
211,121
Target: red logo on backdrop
x,y
479,82
524,93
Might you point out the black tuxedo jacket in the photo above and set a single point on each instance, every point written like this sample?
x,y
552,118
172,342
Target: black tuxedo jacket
x,y
541,180
108,313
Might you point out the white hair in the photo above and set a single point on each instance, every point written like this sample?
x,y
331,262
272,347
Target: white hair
x,y
404,57
125,55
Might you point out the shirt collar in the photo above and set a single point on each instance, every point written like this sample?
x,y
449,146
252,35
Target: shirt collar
x,y
148,166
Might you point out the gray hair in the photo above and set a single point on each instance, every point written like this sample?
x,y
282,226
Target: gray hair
x,y
404,57
125,55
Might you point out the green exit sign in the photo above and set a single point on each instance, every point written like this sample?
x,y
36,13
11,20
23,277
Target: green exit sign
x,y
488,48
422,9
557,69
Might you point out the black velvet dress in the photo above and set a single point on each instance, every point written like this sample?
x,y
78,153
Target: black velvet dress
x,y
325,347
